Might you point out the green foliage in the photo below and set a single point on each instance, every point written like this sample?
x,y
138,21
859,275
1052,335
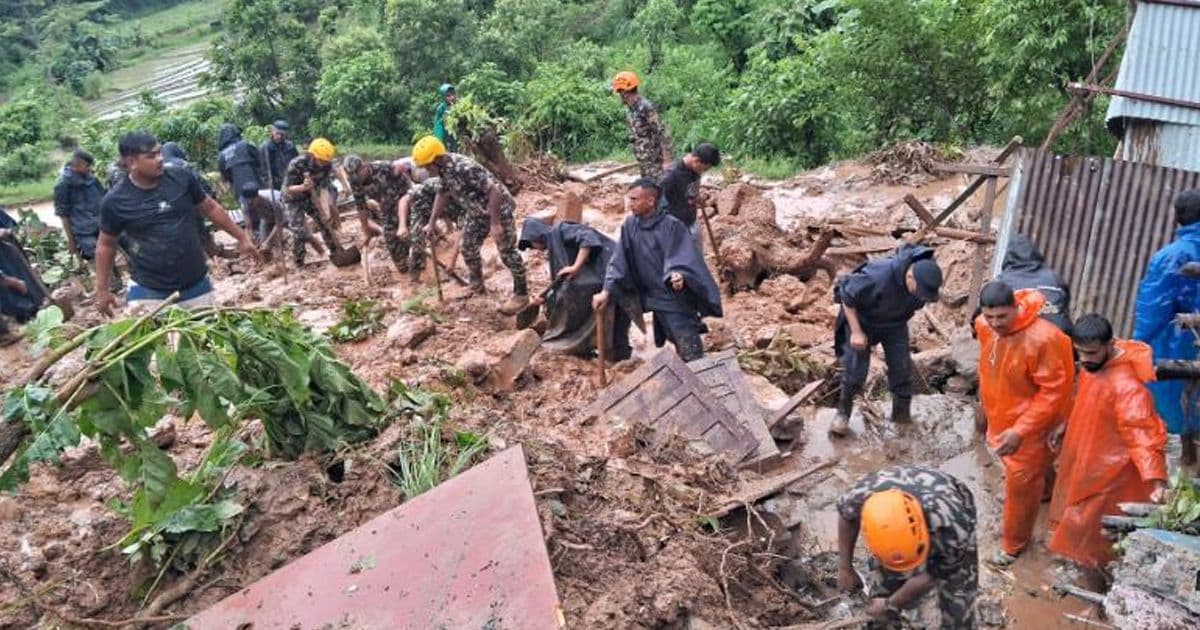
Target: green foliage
x,y
1181,512
194,127
20,124
571,108
27,162
357,95
360,319
419,305
426,459
227,366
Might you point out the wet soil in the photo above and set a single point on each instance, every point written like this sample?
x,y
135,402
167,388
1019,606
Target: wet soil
x,y
625,529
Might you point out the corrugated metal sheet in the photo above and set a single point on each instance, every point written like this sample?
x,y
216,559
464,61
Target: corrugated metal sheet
x,y
1162,58
1097,220
1163,144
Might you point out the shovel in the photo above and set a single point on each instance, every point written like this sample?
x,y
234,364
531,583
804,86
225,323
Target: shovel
x,y
529,314
346,257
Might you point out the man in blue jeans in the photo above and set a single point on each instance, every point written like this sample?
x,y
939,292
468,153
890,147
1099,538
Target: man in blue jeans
x,y
153,211
1163,294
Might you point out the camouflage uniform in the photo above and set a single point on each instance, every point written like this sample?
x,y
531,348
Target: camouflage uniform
x,y
953,561
468,182
649,137
386,187
420,207
297,207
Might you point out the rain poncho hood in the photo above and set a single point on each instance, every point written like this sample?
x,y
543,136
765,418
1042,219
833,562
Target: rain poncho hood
x,y
650,249
172,151
1025,268
1025,382
1163,294
1112,452
227,135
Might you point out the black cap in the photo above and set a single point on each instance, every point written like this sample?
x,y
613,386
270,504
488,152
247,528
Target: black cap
x,y
280,124
929,279
249,190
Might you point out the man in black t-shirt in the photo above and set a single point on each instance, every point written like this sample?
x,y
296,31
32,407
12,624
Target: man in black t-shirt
x,y
681,186
154,211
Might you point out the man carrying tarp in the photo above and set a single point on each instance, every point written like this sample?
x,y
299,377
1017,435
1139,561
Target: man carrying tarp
x,y
154,211
578,257
647,134
658,264
1026,373
1163,294
490,209
919,525
1113,450
877,299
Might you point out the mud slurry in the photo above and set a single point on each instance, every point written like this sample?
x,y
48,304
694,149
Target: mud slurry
x,y
626,529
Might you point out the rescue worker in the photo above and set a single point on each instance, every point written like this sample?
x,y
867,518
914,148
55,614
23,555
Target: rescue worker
x,y
238,163
681,187
448,97
877,299
1024,267
306,178
22,294
385,183
1113,451
647,134
415,209
578,256
919,525
1163,294
658,264
277,153
267,204
1026,372
488,203
154,208
77,198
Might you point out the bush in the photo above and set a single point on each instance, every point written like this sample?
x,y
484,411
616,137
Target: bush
x,y
357,95
20,124
571,110
26,163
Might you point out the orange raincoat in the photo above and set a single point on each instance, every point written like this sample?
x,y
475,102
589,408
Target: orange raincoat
x,y
1025,382
1112,452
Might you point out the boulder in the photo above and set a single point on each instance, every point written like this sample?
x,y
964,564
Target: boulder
x,y
408,332
502,361
570,206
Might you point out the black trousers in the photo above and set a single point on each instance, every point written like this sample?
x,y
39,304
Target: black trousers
x,y
681,329
855,363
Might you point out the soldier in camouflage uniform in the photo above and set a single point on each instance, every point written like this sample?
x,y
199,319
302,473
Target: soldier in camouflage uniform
x,y
415,210
647,133
946,558
386,183
304,178
489,206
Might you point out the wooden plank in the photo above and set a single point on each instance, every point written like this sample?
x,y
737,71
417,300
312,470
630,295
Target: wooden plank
x,y
985,226
860,249
798,399
759,489
1013,145
919,208
983,170
965,235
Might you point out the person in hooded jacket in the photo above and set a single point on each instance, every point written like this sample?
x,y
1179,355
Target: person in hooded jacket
x,y
1024,267
239,164
22,294
77,198
658,263
578,257
448,97
1026,375
877,300
1113,450
278,152
1163,294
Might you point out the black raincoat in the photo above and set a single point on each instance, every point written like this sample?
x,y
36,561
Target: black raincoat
x,y
877,291
650,249
237,159
1025,267
14,263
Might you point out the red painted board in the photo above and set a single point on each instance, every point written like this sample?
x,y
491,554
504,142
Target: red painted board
x,y
467,554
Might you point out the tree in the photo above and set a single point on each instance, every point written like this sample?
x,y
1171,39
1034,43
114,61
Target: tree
x,y
358,95
656,22
271,51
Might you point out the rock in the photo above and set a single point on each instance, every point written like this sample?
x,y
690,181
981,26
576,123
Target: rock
x,y
570,206
957,385
502,361
9,510
765,393
1162,561
729,200
408,331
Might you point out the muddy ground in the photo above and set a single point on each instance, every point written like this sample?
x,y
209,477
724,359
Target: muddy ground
x,y
628,550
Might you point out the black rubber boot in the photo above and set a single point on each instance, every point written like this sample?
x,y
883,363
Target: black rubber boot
x,y
841,422
901,410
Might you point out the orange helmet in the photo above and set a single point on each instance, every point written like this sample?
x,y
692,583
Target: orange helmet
x,y
894,529
625,81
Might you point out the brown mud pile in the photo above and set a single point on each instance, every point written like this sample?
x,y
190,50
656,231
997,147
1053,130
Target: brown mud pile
x,y
625,527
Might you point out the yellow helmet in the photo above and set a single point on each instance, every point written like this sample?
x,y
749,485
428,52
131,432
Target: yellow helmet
x,y
427,150
894,527
321,149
